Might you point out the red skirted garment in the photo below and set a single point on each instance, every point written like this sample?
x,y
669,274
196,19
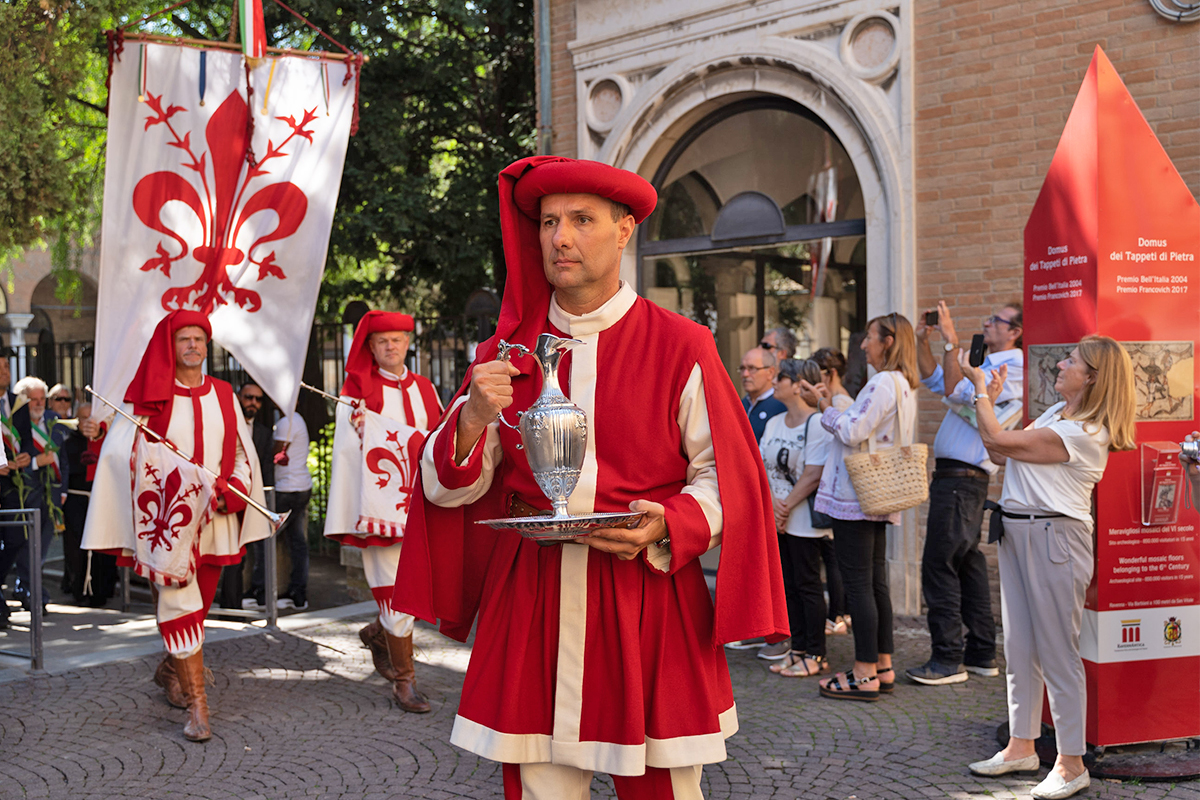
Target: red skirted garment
x,y
580,658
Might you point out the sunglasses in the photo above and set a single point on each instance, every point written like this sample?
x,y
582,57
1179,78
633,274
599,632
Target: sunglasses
x,y
766,346
60,399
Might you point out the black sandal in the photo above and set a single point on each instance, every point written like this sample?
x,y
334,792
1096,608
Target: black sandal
x,y
844,686
886,687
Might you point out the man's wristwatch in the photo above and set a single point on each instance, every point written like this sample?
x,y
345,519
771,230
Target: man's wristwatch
x,y
950,347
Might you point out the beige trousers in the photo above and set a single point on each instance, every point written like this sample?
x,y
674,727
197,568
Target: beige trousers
x,y
1045,568
557,782
380,565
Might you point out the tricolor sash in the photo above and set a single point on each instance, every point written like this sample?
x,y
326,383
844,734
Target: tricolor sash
x,y
43,443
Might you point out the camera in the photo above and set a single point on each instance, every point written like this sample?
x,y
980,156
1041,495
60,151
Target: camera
x,y
931,318
1189,450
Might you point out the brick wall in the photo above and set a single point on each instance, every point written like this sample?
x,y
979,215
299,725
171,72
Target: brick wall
x,y
995,81
563,107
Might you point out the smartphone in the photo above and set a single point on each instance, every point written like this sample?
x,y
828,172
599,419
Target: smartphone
x,y
978,350
931,318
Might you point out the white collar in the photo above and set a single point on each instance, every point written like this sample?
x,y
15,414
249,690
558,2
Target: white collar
x,y
392,377
768,393
607,315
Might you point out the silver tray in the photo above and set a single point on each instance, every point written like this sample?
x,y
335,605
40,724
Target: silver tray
x,y
547,529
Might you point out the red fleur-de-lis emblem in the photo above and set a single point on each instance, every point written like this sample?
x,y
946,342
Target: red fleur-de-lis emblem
x,y
215,186
398,464
164,508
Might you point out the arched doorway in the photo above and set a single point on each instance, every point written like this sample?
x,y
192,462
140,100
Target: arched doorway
x,y
760,223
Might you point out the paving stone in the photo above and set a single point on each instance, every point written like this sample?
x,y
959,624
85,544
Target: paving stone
x,y
302,714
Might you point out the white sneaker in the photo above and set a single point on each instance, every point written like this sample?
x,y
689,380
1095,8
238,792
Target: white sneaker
x,y
996,765
250,604
1056,787
747,644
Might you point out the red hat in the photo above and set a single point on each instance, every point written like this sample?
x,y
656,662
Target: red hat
x,y
362,375
153,386
568,176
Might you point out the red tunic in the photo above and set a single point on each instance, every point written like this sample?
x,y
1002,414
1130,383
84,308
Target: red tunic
x,y
580,658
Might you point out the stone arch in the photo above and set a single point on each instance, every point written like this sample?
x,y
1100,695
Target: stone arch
x,y
68,322
857,112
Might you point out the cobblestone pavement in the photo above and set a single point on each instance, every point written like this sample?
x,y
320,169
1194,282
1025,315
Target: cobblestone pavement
x,y
302,714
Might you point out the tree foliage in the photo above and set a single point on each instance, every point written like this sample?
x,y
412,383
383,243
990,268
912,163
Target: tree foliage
x,y
50,104
446,101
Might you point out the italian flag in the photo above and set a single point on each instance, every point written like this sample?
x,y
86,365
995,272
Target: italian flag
x,y
254,37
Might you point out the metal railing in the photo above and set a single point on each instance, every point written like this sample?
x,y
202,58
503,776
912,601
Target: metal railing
x,y
33,525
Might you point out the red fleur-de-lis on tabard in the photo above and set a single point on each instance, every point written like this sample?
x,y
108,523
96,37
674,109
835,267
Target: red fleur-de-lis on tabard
x,y
399,463
165,509
220,205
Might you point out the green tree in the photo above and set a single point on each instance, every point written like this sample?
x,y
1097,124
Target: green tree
x,y
446,102
51,107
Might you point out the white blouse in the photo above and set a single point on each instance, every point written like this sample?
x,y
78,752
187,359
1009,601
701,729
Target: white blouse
x,y
1064,488
873,413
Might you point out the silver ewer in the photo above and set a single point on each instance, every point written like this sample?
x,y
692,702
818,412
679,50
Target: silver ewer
x,y
554,437
553,430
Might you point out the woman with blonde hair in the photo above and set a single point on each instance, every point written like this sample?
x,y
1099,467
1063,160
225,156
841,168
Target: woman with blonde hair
x,y
1046,550
886,403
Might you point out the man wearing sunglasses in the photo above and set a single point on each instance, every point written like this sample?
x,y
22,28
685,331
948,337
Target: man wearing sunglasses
x,y
954,576
781,342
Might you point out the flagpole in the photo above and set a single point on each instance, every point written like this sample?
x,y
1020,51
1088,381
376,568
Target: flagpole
x,y
276,520
327,395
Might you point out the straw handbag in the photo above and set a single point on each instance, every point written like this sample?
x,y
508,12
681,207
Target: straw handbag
x,y
894,478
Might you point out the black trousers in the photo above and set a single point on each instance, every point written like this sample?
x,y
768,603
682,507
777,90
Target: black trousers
x,y
801,561
954,576
862,557
295,533
833,580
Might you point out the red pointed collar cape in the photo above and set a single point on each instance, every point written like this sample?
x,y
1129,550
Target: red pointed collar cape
x,y
445,555
363,380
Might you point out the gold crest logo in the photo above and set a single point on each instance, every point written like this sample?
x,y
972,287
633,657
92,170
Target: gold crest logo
x,y
1172,632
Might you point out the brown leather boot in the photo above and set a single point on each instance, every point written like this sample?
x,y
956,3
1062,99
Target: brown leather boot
x,y
374,640
404,687
191,679
165,677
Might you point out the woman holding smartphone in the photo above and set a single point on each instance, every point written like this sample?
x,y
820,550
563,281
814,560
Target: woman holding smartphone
x,y
1046,551
885,405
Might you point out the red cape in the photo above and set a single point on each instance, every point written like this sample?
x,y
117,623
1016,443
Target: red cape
x,y
445,557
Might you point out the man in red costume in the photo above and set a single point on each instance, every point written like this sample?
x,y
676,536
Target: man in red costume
x,y
377,379
174,398
605,653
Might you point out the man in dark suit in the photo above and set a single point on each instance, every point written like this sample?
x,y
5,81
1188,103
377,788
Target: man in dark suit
x,y
251,398
758,373
46,476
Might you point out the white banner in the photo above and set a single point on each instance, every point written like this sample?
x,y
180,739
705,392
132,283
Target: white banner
x,y
171,499
390,450
189,223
